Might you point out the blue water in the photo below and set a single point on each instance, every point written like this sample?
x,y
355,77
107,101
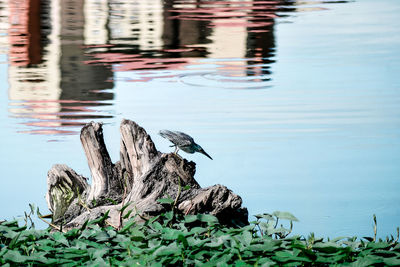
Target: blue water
x,y
310,125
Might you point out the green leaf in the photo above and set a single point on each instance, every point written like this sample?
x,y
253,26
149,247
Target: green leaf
x,y
280,230
338,239
137,234
298,244
266,247
198,230
100,220
124,207
72,253
266,227
46,248
169,215
391,261
126,216
216,242
101,236
195,243
221,259
327,247
14,256
266,262
83,227
171,234
60,238
14,240
87,233
112,201
10,224
210,219
127,226
368,260
241,263
285,216
265,216
41,257
100,262
378,245
322,259
111,232
97,253
190,218
79,244
121,239
182,239
166,200
154,243
285,256
158,226
8,232
247,237
171,249
73,233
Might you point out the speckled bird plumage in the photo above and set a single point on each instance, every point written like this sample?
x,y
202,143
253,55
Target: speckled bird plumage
x,y
183,141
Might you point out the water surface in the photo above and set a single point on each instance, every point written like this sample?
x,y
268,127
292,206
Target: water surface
x,y
298,102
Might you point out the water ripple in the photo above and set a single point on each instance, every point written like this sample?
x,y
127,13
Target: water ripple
x,y
228,80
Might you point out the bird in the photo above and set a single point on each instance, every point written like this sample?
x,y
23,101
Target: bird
x,y
183,141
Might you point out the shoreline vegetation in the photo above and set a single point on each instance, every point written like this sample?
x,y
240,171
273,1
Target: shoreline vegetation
x,y
174,239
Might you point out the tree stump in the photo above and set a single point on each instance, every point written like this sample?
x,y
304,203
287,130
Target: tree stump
x,y
141,177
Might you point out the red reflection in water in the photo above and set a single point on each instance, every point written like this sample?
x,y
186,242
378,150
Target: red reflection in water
x,y
137,62
239,23
50,132
24,32
233,14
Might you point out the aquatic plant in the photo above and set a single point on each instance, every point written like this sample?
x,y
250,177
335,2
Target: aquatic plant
x,y
177,240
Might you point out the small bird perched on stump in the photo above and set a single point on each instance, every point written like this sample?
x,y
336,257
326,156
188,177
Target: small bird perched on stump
x,y
183,141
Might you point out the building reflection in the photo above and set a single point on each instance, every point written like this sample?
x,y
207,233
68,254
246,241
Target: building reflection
x,y
50,86
62,53
172,34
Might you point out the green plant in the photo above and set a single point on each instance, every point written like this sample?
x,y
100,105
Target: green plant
x,y
172,239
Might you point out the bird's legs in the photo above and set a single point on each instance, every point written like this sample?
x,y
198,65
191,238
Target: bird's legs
x,y
176,148
176,151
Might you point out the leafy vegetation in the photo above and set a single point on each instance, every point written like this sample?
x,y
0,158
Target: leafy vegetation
x,y
190,240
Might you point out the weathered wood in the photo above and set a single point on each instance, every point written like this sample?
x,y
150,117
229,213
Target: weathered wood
x,y
138,151
141,177
101,168
64,186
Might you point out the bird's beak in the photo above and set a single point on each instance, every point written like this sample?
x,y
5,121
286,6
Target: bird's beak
x,y
204,153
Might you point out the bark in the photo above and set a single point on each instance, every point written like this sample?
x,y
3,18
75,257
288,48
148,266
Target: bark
x,y
141,177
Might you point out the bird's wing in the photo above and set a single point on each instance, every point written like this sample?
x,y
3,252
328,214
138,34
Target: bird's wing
x,y
177,138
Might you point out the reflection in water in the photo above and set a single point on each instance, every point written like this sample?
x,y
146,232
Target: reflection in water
x,y
62,54
50,85
192,30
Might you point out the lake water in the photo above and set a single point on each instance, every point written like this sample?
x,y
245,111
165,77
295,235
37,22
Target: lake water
x,y
298,102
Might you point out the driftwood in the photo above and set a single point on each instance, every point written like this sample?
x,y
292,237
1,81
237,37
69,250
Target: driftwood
x,y
141,177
